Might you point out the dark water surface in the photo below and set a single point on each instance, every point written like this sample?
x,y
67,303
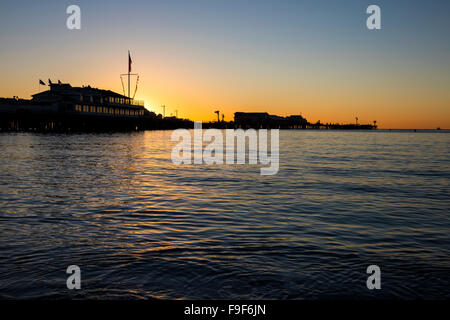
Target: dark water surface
x,y
141,227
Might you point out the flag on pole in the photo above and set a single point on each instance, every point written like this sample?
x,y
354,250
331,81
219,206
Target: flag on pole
x,y
129,62
41,82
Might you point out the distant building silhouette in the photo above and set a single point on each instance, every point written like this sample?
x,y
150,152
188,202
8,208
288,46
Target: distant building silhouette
x,y
260,120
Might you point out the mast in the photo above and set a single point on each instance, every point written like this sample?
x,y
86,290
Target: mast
x,y
129,74
129,70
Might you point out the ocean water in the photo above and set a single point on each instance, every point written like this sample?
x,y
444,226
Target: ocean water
x,y
140,226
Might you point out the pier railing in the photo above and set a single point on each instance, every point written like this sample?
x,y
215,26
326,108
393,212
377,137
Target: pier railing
x,y
137,102
111,101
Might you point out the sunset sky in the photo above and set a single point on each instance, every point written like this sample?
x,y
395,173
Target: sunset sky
x,y
314,58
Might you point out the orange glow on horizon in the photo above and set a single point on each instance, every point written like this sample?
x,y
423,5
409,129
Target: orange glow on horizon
x,y
196,91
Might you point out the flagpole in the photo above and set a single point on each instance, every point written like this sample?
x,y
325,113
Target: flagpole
x,y
129,74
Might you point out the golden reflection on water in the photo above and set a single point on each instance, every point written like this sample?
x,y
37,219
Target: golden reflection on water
x,y
117,204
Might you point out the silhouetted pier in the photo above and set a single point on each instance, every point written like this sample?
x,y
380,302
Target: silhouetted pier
x,y
65,108
263,120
